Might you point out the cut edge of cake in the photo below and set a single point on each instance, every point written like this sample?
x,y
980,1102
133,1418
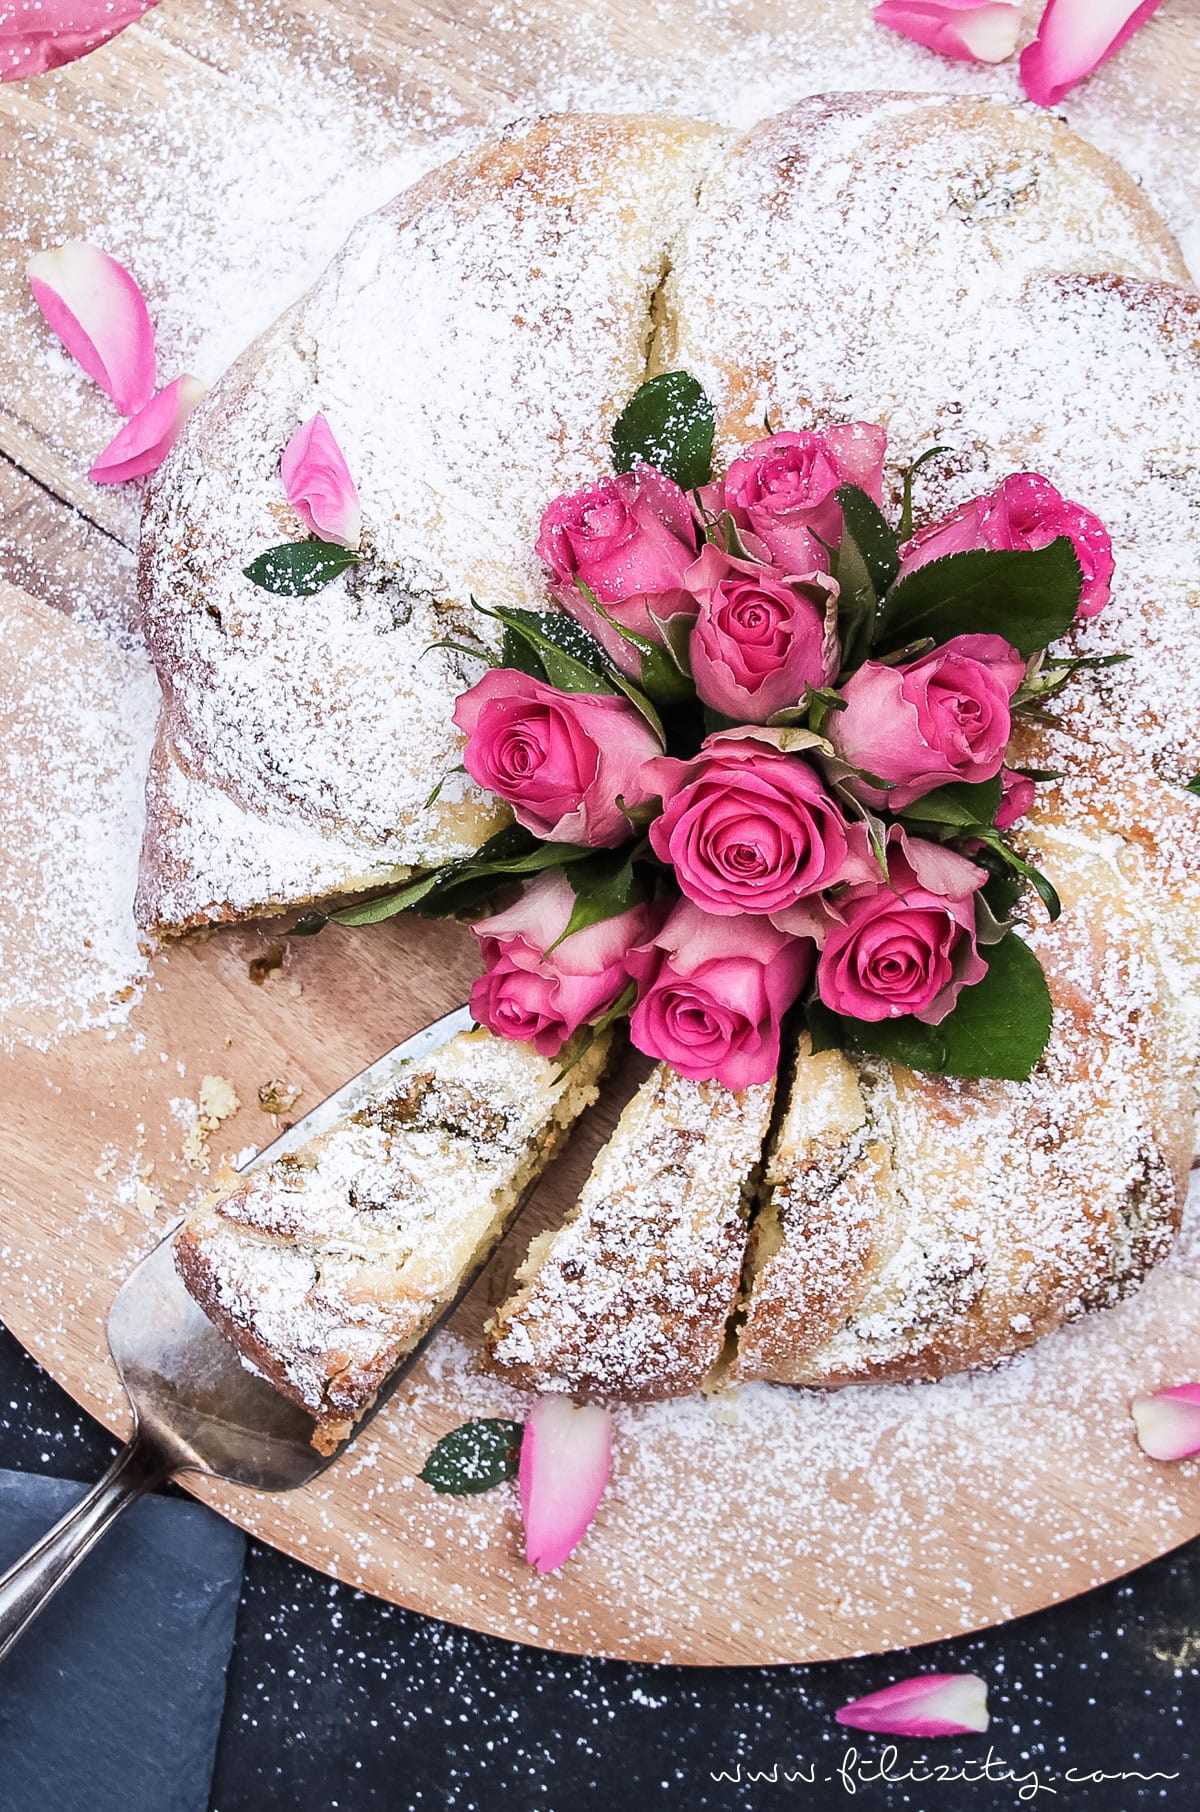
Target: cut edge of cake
x,y
300,1266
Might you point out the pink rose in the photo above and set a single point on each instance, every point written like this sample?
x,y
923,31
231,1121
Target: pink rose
x,y
1026,511
1017,794
906,945
630,539
560,759
544,998
712,994
942,718
749,829
782,490
759,638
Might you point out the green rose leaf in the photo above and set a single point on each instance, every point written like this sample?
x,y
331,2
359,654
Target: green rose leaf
x,y
1000,1027
567,656
873,535
954,808
296,569
906,513
668,423
1043,887
1029,597
474,1456
663,680
857,605
1193,785
512,851
604,888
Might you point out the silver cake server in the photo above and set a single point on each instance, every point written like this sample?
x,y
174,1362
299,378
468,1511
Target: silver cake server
x,y
196,1408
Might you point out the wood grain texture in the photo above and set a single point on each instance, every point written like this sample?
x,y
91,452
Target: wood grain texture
x,y
922,1513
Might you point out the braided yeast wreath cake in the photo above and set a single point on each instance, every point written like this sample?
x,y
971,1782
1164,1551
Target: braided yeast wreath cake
x,y
969,274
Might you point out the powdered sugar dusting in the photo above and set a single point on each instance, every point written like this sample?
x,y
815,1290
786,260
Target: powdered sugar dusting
x,y
77,716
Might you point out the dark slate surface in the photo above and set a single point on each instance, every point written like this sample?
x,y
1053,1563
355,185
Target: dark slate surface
x,y
337,1703
114,1697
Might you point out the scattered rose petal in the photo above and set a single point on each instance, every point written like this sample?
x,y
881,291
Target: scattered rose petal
x,y
1075,37
1168,1423
932,1705
963,29
566,1456
100,315
38,35
146,439
318,484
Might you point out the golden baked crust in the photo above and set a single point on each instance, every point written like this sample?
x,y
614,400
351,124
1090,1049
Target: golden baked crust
x,y
470,346
326,1267
633,1295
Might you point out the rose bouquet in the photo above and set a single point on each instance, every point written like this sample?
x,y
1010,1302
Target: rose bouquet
x,y
756,756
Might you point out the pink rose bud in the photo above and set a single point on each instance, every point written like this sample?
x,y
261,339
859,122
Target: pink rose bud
x,y
1026,511
1075,37
759,638
146,439
933,1705
712,994
318,484
782,490
560,759
566,1459
100,315
1017,793
539,990
945,717
967,30
38,35
747,828
902,947
630,540
1168,1422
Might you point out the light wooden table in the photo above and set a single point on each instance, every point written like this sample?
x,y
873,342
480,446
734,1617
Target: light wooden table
x,y
785,1529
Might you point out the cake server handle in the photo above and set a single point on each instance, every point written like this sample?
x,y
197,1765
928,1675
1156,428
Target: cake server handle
x,y
32,1581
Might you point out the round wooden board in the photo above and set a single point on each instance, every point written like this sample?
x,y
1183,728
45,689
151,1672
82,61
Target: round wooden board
x,y
767,1528
770,1527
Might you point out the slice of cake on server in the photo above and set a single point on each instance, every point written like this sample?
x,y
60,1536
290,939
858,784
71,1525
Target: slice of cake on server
x,y
327,1266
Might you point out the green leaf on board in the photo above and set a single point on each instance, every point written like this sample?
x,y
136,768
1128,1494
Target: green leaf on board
x,y
474,1457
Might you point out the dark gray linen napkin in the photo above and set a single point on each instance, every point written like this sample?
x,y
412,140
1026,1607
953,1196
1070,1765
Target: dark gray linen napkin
x,y
112,1700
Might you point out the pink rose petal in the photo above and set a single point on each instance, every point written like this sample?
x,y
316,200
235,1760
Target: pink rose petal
x,y
932,1705
1074,38
100,315
962,29
566,1457
1168,1422
146,439
38,35
318,484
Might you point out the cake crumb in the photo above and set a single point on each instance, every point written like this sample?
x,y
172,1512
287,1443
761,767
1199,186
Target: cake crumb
x,y
277,1096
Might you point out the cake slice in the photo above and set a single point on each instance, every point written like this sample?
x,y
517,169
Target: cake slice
x,y
327,1266
916,1225
633,1295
